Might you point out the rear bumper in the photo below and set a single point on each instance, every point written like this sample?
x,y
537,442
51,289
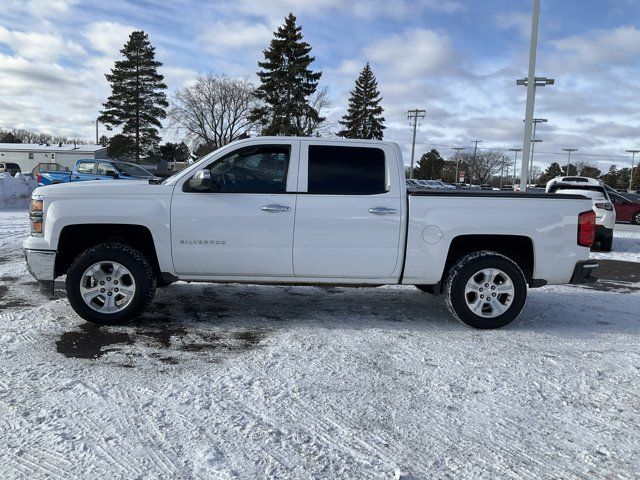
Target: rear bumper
x,y
41,266
583,272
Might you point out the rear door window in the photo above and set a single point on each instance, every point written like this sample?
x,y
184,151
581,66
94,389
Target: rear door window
x,y
337,170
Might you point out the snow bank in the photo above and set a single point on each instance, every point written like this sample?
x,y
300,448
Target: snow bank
x,y
15,191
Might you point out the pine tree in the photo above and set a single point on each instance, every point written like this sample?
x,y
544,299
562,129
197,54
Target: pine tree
x,y
137,99
364,118
430,166
287,84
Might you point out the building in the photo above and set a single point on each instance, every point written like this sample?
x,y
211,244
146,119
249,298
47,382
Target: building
x,y
29,155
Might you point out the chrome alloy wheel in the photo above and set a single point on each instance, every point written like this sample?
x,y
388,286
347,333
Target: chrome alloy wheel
x,y
107,287
489,293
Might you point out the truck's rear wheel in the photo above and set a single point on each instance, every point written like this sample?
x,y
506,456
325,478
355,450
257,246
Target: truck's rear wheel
x,y
485,290
110,284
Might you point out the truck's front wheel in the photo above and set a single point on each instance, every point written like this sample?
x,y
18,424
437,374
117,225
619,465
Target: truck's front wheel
x,y
110,284
485,290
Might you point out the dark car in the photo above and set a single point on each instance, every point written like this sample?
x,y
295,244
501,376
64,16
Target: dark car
x,y
627,207
10,168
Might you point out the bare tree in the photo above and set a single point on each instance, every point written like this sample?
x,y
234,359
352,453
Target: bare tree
x,y
315,124
214,110
484,165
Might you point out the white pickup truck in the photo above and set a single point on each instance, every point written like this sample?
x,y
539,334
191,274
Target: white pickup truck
x,y
281,210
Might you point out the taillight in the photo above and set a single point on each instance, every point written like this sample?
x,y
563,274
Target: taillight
x,y
39,178
586,228
605,206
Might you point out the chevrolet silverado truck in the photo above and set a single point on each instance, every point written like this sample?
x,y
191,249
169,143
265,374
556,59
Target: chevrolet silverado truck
x,y
281,210
87,170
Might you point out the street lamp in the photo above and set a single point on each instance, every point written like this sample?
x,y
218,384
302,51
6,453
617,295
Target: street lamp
x,y
535,122
457,149
531,92
569,150
515,160
633,157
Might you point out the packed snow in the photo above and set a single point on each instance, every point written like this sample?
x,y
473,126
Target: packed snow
x,y
626,244
232,381
15,191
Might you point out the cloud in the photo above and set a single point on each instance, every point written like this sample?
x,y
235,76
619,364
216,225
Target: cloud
x,y
619,46
222,36
107,37
413,52
520,22
42,46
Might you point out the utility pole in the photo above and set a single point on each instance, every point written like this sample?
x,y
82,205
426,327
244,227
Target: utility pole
x,y
569,150
413,116
457,149
535,122
633,158
96,131
531,82
515,160
475,149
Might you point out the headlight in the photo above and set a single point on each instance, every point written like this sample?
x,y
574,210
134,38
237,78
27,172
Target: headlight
x,y
36,215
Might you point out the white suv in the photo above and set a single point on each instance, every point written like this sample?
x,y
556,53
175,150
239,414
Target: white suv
x,y
602,205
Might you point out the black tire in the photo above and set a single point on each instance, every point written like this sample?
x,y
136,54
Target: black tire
x,y
606,244
426,288
636,218
134,261
471,265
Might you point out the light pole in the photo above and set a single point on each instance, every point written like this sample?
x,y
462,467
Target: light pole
x,y
535,122
531,93
413,116
569,150
633,157
515,161
533,145
457,149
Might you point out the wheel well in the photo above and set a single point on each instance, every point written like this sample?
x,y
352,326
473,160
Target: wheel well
x,y
75,239
517,248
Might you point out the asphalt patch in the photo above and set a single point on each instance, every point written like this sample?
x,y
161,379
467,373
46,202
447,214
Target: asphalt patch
x,y
618,271
91,341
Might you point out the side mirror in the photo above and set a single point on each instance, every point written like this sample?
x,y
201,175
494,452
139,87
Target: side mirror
x,y
201,181
111,173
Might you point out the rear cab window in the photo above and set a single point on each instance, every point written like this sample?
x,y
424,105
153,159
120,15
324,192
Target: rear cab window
x,y
346,170
85,167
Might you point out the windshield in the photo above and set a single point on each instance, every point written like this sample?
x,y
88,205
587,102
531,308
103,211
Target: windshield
x,y
131,170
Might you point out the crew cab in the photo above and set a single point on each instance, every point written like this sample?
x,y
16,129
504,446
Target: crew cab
x,y
86,170
310,211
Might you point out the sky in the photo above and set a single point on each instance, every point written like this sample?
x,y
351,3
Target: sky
x,y
457,59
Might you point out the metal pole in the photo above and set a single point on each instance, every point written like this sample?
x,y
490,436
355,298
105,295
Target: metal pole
x,y
531,96
96,131
515,162
457,150
633,158
533,148
414,115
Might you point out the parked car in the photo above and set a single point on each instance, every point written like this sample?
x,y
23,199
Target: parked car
x,y
84,170
10,168
627,209
282,210
602,206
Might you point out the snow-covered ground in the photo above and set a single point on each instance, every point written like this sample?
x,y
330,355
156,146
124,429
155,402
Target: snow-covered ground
x,y
626,244
254,382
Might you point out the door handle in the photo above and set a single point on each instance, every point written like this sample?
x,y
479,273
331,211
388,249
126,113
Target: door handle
x,y
275,208
382,211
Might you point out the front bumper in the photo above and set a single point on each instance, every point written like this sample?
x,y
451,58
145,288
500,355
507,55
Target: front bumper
x,y
583,272
41,266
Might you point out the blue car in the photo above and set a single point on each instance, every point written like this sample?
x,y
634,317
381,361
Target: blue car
x,y
96,170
